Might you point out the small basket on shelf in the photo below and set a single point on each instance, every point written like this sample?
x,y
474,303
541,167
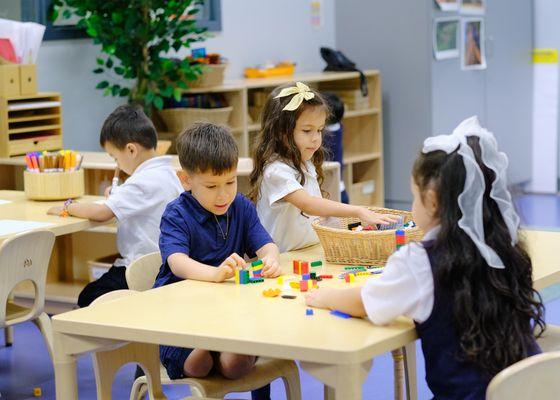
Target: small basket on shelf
x,y
343,246
177,119
53,185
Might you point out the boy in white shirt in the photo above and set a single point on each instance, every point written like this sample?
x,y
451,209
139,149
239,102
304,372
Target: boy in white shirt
x,y
130,138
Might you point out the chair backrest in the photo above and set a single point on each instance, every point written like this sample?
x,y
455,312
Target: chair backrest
x,y
142,272
532,378
25,256
115,294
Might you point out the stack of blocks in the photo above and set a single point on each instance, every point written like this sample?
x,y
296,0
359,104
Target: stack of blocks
x,y
243,277
301,267
400,238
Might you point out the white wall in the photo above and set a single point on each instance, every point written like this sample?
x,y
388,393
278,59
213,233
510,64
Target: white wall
x,y
547,29
253,32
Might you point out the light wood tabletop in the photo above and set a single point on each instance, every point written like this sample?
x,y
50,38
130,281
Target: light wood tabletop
x,y
229,317
18,207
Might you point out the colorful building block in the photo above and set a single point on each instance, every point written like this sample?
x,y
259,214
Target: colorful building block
x,y
257,273
288,296
256,280
237,281
309,311
340,314
294,285
306,277
256,263
244,277
400,238
296,264
304,267
315,286
313,275
271,292
303,286
323,276
317,263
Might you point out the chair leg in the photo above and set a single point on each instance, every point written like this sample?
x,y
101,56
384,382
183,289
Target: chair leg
x,y
8,336
292,386
398,361
139,389
43,322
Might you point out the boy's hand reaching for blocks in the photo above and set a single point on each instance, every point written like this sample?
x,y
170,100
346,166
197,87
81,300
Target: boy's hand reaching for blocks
x,y
227,269
271,266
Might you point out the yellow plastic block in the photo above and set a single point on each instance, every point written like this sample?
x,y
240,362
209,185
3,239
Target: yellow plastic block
x,y
294,285
352,278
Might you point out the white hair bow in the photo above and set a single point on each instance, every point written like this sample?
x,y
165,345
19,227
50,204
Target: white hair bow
x,y
470,200
301,91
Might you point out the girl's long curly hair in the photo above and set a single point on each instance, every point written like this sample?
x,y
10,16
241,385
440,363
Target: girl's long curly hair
x,y
496,312
276,140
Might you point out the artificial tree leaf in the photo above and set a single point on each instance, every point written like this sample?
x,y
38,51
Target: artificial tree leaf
x,y
158,102
102,85
98,70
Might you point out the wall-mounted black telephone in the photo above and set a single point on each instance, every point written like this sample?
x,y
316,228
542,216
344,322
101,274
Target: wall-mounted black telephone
x,y
336,61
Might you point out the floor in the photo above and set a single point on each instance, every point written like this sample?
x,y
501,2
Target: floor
x,y
27,365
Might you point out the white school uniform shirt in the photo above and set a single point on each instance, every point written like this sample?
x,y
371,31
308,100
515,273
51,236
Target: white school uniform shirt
x,y
284,222
406,286
138,205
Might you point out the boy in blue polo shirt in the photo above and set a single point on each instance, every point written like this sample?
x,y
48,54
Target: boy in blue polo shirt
x,y
205,233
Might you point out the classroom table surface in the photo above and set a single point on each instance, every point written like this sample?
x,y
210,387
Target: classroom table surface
x,y
230,317
15,206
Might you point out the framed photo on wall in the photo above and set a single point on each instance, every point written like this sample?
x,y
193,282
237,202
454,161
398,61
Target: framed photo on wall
x,y
475,7
472,42
448,5
446,38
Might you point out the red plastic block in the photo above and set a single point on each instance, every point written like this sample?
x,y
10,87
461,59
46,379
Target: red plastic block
x,y
304,267
303,286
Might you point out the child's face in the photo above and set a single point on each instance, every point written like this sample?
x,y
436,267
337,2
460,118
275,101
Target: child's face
x,y
127,158
308,133
424,209
214,192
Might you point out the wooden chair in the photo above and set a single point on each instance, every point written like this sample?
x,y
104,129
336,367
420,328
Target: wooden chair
x,y
108,361
550,340
25,257
140,275
533,378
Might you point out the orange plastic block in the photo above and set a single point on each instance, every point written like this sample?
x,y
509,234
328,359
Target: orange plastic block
x,y
271,292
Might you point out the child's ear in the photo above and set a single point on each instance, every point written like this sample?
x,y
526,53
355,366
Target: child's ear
x,y
431,203
185,179
131,149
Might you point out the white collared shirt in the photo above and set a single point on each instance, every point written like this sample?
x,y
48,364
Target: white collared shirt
x,y
138,205
406,286
289,229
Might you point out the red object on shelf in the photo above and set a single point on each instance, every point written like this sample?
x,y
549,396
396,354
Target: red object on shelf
x,y
7,51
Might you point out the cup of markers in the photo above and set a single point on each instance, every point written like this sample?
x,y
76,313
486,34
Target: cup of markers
x,y
53,175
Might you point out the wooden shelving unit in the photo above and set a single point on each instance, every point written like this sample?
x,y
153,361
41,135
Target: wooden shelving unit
x,y
30,123
363,135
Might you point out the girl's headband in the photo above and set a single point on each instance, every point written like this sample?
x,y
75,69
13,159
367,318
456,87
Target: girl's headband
x,y
301,91
470,200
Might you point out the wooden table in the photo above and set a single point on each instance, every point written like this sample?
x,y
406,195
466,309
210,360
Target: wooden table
x,y
62,288
238,318
99,168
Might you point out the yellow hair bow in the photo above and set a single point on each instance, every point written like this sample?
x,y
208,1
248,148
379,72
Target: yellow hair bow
x,y
301,91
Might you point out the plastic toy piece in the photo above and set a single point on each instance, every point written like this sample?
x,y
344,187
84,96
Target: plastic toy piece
x,y
297,268
400,238
323,276
280,280
350,278
355,268
306,277
237,279
317,263
354,225
304,267
369,228
340,314
309,311
294,285
243,277
255,280
315,286
288,296
257,273
313,276
271,292
37,392
256,263
303,286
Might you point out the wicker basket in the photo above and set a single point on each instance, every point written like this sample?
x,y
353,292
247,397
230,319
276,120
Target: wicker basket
x,y
343,246
212,75
177,119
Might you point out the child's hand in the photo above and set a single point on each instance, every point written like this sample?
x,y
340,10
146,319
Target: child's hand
x,y
227,269
271,267
56,210
318,298
370,218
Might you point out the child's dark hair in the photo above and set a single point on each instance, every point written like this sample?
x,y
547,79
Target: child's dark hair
x,y
128,124
336,107
496,312
207,147
276,139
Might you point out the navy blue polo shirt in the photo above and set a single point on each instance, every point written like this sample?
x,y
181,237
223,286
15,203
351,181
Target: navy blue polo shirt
x,y
188,228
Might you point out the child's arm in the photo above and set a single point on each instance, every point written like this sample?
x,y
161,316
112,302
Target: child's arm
x,y
269,255
185,267
348,301
91,211
327,208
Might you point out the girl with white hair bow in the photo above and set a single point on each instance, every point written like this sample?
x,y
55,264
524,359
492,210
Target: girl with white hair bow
x,y
468,285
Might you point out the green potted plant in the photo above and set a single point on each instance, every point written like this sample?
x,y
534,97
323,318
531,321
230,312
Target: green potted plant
x,y
135,37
